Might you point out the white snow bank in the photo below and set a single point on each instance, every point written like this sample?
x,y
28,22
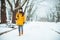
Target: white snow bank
x,y
4,29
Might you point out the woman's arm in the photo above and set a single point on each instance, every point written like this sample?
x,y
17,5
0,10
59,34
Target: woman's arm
x,y
24,19
17,16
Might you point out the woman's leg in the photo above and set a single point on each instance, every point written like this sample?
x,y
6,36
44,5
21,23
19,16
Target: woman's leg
x,y
22,29
19,30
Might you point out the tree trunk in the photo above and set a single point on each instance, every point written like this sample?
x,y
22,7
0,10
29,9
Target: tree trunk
x,y
14,14
0,11
3,11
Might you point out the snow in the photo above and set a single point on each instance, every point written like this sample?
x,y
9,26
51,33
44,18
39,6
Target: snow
x,y
2,25
35,31
4,29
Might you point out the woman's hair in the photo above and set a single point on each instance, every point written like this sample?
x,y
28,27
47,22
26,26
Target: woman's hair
x,y
21,11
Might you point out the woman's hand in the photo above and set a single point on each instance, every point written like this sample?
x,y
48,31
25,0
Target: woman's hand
x,y
23,22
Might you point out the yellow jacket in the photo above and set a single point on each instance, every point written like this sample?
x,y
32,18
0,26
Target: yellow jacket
x,y
20,19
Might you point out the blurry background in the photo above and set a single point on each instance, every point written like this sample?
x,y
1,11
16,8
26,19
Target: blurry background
x,y
35,10
42,19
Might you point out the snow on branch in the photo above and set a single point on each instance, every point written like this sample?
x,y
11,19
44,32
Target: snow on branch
x,y
24,3
10,5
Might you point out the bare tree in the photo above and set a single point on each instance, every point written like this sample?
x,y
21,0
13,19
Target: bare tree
x,y
3,11
17,6
58,17
0,11
58,11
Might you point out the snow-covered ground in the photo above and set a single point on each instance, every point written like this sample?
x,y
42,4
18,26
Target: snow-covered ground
x,y
4,29
35,31
3,25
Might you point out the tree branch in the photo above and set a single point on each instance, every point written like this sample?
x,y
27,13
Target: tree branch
x,y
24,3
10,5
16,3
26,6
17,6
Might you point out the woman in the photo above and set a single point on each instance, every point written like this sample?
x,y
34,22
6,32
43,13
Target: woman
x,y
20,20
